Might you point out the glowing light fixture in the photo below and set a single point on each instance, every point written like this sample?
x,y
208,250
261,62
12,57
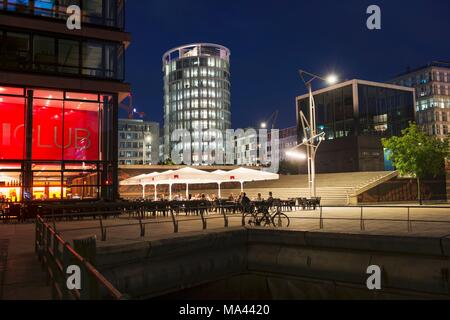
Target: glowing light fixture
x,y
332,79
296,155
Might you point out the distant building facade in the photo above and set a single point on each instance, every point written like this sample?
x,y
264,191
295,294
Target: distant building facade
x,y
288,138
432,84
138,142
355,115
196,95
246,148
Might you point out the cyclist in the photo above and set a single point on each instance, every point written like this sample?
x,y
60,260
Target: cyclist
x,y
245,202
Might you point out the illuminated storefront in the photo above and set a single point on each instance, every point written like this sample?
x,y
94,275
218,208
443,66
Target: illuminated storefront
x,y
56,145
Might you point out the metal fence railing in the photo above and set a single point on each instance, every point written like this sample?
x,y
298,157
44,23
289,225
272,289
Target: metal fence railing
x,y
199,214
202,214
362,218
57,256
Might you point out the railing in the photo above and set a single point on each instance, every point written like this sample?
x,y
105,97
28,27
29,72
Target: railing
x,y
139,214
225,212
362,219
56,256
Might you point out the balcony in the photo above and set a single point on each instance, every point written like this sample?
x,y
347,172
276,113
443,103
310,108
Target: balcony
x,y
27,52
105,13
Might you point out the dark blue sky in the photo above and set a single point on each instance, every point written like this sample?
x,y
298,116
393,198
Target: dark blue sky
x,y
271,39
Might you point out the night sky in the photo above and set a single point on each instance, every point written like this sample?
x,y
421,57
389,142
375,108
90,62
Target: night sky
x,y
271,39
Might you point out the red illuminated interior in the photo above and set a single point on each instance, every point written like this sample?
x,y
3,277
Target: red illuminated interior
x,y
66,130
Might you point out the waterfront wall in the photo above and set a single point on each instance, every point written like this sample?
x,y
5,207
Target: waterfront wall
x,y
278,264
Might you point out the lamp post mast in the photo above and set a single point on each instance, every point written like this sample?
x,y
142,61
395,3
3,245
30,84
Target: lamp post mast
x,y
312,148
312,139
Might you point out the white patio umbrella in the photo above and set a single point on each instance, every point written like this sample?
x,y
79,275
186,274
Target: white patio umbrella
x,y
243,175
187,176
222,179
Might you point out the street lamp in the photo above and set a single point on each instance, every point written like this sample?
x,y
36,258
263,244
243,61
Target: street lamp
x,y
312,140
293,154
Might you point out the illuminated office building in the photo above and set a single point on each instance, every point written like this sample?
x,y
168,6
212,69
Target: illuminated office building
x,y
196,93
432,84
355,115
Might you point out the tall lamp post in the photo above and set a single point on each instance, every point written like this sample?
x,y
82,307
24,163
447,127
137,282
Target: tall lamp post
x,y
311,139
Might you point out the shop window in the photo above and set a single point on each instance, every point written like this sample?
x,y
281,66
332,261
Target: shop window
x,y
47,185
12,91
48,140
81,122
12,128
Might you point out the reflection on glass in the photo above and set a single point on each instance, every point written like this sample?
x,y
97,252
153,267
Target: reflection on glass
x,y
68,56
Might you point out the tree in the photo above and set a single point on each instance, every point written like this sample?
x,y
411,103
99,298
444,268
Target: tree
x,y
169,162
417,154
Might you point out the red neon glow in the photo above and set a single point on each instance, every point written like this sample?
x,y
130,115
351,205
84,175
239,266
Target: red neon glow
x,y
79,122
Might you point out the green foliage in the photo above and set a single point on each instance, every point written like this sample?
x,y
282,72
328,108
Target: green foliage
x,y
169,162
417,154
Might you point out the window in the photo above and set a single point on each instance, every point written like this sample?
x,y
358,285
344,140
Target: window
x,y
12,133
93,59
102,12
68,57
17,50
48,54
44,54
45,8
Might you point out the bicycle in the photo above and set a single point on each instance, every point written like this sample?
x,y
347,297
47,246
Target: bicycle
x,y
261,216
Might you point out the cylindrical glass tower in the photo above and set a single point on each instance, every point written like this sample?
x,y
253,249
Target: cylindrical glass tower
x,y
196,91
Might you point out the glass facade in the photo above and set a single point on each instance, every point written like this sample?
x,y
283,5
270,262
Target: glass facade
x,y
55,145
196,90
42,53
379,111
108,13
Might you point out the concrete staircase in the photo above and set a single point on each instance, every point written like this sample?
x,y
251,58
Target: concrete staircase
x,y
333,188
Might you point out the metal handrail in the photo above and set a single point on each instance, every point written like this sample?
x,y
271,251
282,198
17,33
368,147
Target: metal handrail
x,y
56,255
173,219
221,210
363,220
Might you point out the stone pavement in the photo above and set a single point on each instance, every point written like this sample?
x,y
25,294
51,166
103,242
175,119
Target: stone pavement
x,y
21,276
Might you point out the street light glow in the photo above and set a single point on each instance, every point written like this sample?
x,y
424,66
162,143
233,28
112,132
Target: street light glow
x,y
263,125
332,79
296,155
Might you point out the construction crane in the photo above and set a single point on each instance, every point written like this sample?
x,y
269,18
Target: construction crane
x,y
271,120
129,107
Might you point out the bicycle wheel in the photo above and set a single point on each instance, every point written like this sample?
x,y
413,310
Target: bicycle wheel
x,y
280,220
250,219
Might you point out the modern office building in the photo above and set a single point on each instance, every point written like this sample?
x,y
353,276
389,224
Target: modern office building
x,y
196,93
59,96
138,142
355,115
432,84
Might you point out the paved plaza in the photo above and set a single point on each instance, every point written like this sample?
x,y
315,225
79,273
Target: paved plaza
x,y
425,222
21,276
